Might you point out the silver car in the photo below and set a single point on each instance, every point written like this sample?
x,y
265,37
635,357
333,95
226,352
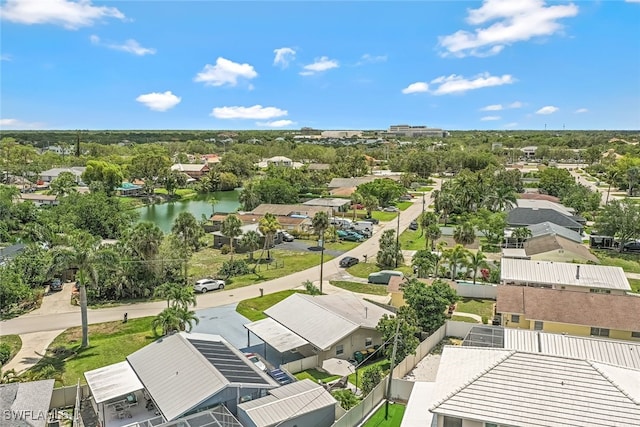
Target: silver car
x,y
205,285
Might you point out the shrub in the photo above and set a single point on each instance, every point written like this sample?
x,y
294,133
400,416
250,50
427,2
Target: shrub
x,y
371,377
485,320
5,353
346,399
237,267
225,249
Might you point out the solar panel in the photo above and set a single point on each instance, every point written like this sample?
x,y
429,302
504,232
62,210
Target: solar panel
x,y
485,336
230,365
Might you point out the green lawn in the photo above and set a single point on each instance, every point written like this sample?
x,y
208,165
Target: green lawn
x,y
424,189
396,412
109,343
635,285
364,269
130,202
253,308
481,307
463,319
629,262
411,240
341,246
315,376
363,288
15,343
403,206
379,215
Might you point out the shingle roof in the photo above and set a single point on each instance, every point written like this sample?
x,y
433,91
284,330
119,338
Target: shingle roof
x,y
288,402
528,216
532,390
34,396
621,312
562,273
547,228
551,242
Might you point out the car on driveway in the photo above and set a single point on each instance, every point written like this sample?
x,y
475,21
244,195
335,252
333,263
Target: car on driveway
x,y
406,197
352,236
287,237
631,247
256,361
55,285
414,225
206,285
348,261
391,209
372,220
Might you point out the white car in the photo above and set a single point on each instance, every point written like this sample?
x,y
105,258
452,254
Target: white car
x,y
256,361
205,285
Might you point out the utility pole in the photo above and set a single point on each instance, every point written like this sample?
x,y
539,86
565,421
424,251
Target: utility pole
x,y
398,240
393,359
321,259
423,202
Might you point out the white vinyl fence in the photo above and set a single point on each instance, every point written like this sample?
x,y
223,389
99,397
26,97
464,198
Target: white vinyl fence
x,y
301,364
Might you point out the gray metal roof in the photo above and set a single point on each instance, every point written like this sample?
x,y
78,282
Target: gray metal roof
x,y
528,216
286,402
546,228
562,273
112,381
327,318
544,204
276,335
219,416
178,376
528,390
34,396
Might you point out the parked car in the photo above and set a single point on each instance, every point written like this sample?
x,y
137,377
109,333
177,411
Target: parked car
x,y
348,261
287,237
414,225
383,277
352,236
391,209
55,285
372,220
342,234
631,247
406,197
206,285
256,361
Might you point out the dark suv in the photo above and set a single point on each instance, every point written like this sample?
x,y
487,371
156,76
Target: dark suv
x,y
631,247
55,285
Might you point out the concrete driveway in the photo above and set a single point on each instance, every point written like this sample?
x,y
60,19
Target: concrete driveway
x,y
228,323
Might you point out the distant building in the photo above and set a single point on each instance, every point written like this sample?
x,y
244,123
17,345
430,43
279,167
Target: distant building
x,y
194,171
51,174
341,133
416,131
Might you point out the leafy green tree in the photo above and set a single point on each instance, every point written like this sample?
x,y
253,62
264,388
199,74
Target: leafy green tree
x,y
143,241
390,253
370,203
152,164
231,228
34,264
521,234
172,180
13,289
371,377
385,190
554,181
103,175
581,198
491,224
424,262
432,233
425,219
188,230
64,184
407,330
268,226
464,233
621,219
276,190
429,303
251,241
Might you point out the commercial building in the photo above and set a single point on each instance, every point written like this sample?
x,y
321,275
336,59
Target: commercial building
x,y
416,131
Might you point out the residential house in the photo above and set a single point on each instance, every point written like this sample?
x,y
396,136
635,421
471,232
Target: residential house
x,y
564,276
333,326
128,189
10,252
480,387
210,159
524,217
576,313
296,210
219,239
538,196
279,161
39,199
51,174
545,204
194,171
557,248
343,191
26,404
287,223
318,166
302,403
550,229
336,204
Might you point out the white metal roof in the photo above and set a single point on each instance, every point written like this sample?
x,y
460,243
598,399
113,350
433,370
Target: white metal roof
x,y
289,401
276,335
527,390
544,204
112,381
562,273
415,415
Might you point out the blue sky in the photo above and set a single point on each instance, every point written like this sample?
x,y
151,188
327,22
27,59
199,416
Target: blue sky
x,y
493,64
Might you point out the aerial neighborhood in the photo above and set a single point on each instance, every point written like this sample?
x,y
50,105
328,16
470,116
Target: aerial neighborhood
x,y
252,282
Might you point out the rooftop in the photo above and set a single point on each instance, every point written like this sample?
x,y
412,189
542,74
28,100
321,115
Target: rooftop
x,y
328,202
547,228
31,399
529,216
543,244
189,167
287,210
112,381
544,204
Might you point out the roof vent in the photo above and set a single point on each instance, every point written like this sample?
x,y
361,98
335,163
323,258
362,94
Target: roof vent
x,y
578,272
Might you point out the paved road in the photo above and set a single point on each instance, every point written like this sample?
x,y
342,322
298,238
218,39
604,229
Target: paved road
x,y
70,316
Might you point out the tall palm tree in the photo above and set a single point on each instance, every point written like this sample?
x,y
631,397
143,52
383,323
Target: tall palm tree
x,y
231,228
500,198
320,224
432,233
176,294
356,199
251,241
188,230
476,262
521,234
425,220
144,240
464,234
268,226
167,321
457,256
213,202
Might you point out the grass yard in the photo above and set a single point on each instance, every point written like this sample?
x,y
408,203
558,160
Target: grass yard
x,y
403,206
635,285
629,262
411,240
341,245
14,342
364,269
396,412
463,319
424,189
315,376
362,288
109,343
253,308
481,307
384,216
130,202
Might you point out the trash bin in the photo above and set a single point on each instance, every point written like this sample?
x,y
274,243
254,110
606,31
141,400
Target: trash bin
x,y
358,356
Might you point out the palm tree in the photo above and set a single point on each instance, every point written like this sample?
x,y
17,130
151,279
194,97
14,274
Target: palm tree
x,y
188,230
501,198
268,226
432,234
176,294
521,234
167,321
320,224
476,262
144,240
464,234
456,256
425,220
231,228
186,318
370,203
356,199
213,202
251,241
248,197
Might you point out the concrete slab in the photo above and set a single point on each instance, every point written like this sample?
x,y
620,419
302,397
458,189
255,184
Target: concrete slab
x,y
34,346
226,322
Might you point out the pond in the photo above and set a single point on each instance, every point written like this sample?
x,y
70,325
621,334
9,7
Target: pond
x,y
163,214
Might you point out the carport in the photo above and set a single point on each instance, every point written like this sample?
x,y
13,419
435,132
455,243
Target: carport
x,y
281,339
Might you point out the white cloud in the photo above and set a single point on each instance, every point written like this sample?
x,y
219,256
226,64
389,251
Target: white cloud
x,y
490,118
516,104
225,72
510,125
276,123
321,64
584,110
513,21
371,59
284,55
6,57
458,84
549,109
157,101
69,14
416,87
632,1
130,46
494,107
17,124
257,112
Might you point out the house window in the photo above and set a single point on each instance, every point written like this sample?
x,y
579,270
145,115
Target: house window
x,y
635,334
599,332
368,342
515,318
600,291
452,422
537,326
339,349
